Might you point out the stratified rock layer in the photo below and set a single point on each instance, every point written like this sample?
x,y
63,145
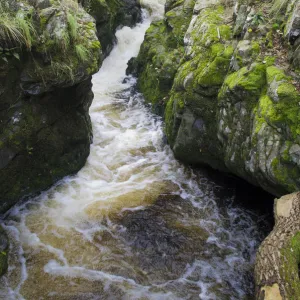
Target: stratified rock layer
x,y
225,76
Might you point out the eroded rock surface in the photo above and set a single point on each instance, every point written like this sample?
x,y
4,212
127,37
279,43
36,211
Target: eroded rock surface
x,y
277,262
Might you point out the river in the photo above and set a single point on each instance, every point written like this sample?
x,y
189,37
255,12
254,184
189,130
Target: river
x,y
134,223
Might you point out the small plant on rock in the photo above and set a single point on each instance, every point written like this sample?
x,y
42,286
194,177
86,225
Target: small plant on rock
x,y
82,53
257,19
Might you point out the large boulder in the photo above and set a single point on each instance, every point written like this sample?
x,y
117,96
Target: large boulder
x,y
229,88
48,51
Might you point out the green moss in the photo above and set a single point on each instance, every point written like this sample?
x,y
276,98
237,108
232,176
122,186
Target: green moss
x,y
270,61
217,49
269,39
290,271
287,92
214,73
281,114
180,105
179,22
251,80
255,48
160,56
96,45
268,111
285,174
228,52
215,30
274,73
169,121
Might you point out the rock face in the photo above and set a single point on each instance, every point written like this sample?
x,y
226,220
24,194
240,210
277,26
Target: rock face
x,y
45,88
3,251
278,258
48,51
111,14
224,76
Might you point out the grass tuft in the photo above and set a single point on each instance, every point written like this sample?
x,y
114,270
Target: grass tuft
x,y
15,30
82,53
72,24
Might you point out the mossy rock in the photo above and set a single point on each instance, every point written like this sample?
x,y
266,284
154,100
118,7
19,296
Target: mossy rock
x,y
3,252
109,15
226,101
45,96
161,53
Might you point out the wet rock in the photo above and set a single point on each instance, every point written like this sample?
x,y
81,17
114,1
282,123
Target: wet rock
x,y
3,251
42,4
45,90
163,239
109,16
292,30
247,102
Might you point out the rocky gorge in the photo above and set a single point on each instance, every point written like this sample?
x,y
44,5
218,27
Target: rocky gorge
x,y
224,76
48,51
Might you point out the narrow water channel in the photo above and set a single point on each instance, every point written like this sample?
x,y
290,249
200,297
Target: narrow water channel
x,y
134,223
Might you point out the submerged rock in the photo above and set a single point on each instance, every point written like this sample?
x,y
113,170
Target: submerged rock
x,y
227,83
162,238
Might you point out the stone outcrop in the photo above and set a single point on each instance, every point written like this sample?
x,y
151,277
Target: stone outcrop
x,y
48,51
225,76
278,258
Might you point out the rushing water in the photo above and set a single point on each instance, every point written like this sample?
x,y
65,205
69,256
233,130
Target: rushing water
x,y
133,223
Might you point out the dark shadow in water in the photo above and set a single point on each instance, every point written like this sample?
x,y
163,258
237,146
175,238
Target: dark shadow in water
x,y
244,194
